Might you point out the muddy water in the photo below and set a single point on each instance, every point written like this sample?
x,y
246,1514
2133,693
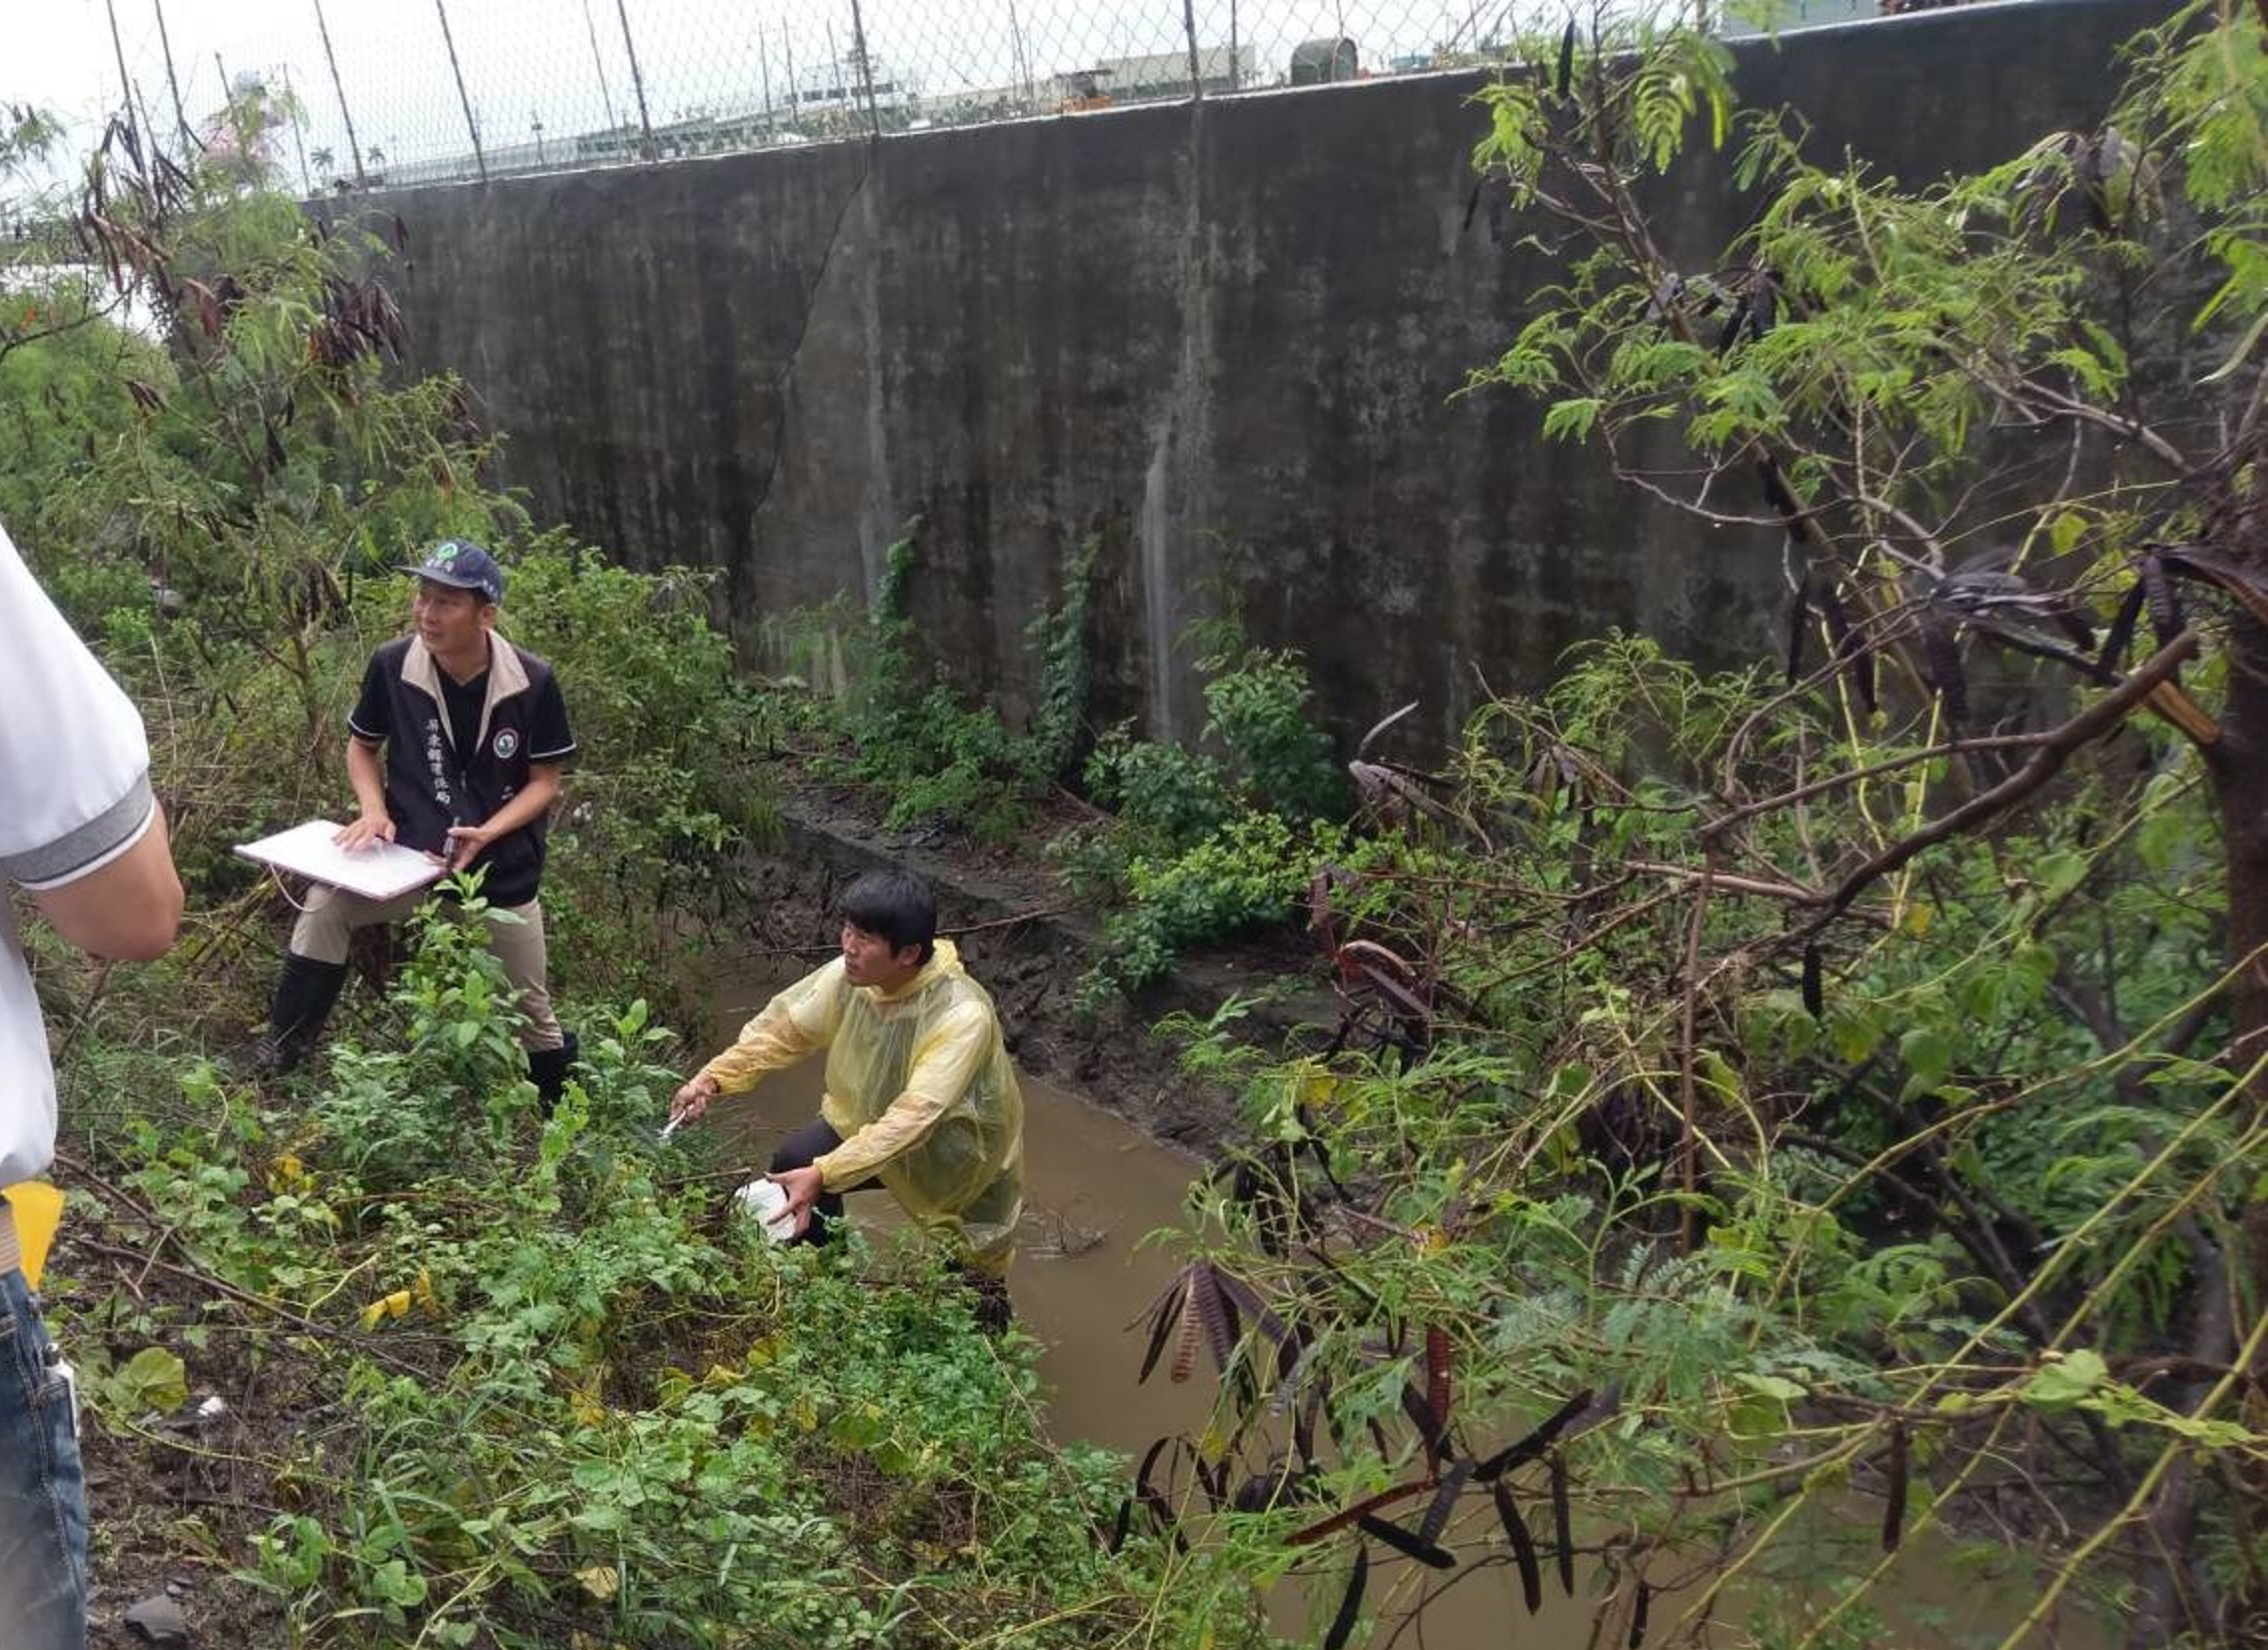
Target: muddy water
x,y
1083,1278
1095,1188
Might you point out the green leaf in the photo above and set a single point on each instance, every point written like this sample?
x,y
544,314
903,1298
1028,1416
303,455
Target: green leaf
x,y
1771,1386
2060,1385
2241,354
153,1380
2059,871
395,1582
1855,1032
1572,418
1927,1056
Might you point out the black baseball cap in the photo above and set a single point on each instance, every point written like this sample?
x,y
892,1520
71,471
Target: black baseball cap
x,y
464,565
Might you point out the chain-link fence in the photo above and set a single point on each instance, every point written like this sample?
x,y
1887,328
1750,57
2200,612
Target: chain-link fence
x,y
428,91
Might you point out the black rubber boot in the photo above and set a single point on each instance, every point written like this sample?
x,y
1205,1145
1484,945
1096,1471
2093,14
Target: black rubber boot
x,y
304,996
547,1071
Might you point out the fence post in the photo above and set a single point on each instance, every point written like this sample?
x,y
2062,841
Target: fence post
x,y
172,82
865,66
794,96
118,46
480,160
298,138
1189,28
763,67
599,62
652,151
1022,60
354,144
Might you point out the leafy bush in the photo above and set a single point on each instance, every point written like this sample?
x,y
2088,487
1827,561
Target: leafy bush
x,y
1066,672
1165,797
1248,873
1257,708
564,1397
936,759
405,1112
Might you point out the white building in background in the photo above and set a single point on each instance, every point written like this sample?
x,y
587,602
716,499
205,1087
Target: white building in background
x,y
841,85
1166,74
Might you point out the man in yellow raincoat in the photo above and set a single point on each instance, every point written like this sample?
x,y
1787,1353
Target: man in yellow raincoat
x,y
921,1097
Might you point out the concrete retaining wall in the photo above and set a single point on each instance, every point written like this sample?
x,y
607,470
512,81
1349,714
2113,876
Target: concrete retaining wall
x,y
1228,340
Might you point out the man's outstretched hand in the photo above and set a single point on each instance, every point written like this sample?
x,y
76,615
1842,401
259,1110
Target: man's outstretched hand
x,y
692,1099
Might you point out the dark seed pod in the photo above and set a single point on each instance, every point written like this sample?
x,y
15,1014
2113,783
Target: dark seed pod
x,y
1849,645
1566,78
2164,601
1729,333
1943,657
1814,992
1523,1546
1781,500
2114,644
1563,1524
1763,304
1639,1612
1536,1443
1350,1603
1427,1420
1444,1503
1406,1542
1799,631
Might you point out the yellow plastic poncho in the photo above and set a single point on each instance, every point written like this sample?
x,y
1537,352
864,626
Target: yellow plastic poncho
x,y
919,1088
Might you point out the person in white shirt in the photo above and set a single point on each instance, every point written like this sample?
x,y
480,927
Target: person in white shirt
x,y
80,831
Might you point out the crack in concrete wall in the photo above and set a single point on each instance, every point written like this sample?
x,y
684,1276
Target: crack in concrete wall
x,y
787,374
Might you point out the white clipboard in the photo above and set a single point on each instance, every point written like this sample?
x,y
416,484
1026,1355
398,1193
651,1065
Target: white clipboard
x,y
383,871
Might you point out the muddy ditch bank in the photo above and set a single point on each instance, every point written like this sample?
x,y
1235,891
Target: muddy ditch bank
x,y
1028,942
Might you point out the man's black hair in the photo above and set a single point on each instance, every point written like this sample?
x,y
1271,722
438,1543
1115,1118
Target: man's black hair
x,y
896,905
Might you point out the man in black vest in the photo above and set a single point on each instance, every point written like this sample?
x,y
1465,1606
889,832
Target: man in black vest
x,y
456,748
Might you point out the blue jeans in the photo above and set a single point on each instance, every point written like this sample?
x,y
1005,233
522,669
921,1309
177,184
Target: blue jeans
x,y
43,1493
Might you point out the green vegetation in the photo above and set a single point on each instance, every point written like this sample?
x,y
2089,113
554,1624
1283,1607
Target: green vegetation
x,y
573,1400
1787,1135
1791,1132
488,1378
1192,846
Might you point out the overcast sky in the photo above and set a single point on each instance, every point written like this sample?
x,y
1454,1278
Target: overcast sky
x,y
562,63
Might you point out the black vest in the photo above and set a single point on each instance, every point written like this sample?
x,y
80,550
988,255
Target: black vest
x,y
427,791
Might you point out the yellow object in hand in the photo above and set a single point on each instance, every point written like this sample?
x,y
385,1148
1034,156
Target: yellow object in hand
x,y
39,1210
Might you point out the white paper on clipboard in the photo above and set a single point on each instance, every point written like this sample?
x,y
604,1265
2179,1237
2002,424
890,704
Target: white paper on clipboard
x,y
385,871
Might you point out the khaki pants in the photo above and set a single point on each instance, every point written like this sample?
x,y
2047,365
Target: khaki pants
x,y
331,914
